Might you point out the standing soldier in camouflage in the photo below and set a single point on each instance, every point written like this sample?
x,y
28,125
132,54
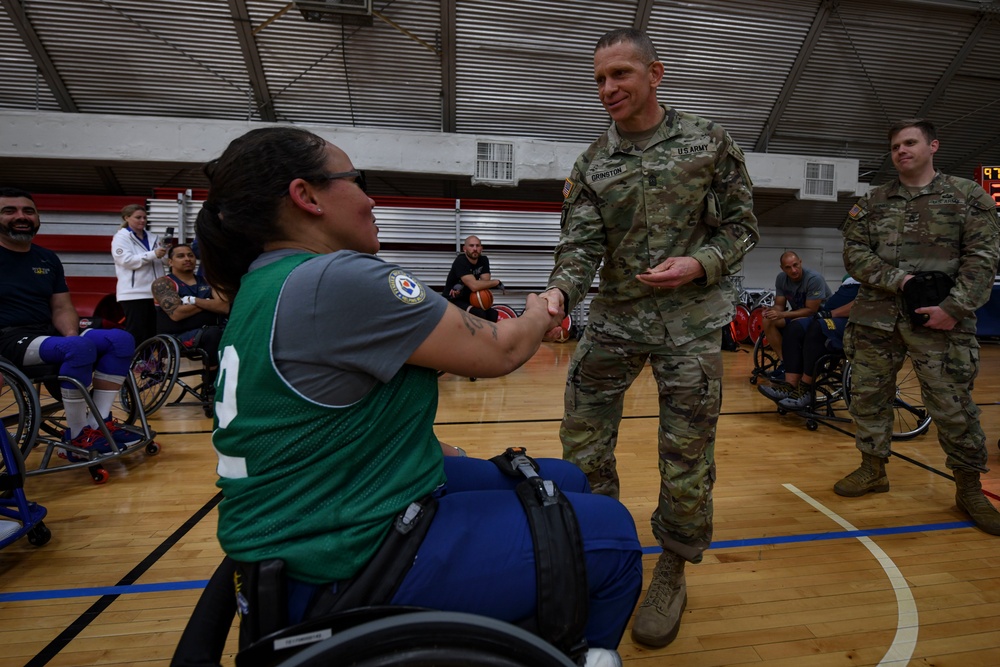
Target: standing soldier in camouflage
x,y
663,198
924,221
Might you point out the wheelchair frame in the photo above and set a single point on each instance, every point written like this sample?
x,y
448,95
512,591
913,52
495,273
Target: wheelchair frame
x,y
378,635
831,383
36,421
156,369
18,515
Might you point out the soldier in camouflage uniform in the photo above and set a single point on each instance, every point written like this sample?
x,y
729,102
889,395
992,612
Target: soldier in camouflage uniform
x,y
663,199
923,221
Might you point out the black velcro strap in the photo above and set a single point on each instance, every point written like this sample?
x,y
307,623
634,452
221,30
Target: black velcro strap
x,y
261,599
924,289
513,462
560,569
380,578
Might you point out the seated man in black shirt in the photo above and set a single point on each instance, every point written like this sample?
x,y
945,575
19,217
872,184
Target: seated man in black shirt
x,y
40,325
189,309
470,272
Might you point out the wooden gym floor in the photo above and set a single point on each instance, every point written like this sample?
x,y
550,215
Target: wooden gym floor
x,y
796,575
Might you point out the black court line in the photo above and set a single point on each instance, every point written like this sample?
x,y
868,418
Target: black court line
x,y
66,636
76,627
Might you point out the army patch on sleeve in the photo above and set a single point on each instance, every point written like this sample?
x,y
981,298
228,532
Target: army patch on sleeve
x,y
405,288
855,211
568,188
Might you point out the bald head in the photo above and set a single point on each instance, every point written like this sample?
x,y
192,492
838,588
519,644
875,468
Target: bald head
x,y
791,265
472,248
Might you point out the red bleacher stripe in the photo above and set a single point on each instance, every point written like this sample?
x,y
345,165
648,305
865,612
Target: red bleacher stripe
x,y
74,243
85,203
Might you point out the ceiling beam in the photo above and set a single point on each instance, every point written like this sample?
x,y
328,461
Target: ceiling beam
x,y
956,5
263,102
26,31
642,11
943,82
115,141
971,156
449,68
794,74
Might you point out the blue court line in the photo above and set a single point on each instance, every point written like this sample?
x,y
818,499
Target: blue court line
x,y
816,537
99,591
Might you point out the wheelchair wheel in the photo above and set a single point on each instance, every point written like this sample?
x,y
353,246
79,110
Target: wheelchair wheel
x,y
19,407
432,638
764,359
741,318
154,367
910,418
755,324
504,312
828,380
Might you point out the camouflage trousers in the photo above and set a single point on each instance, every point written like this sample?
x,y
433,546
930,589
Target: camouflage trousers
x,y
689,383
945,363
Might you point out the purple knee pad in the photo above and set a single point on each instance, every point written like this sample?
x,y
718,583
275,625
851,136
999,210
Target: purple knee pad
x,y
115,348
74,354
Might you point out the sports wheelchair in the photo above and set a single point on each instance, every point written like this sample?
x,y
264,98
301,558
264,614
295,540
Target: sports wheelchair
x,y
157,369
356,625
18,516
31,410
832,383
374,636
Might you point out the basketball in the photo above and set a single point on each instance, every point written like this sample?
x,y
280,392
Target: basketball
x,y
564,330
482,299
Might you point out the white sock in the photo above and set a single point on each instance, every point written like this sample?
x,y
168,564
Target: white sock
x,y
76,411
103,399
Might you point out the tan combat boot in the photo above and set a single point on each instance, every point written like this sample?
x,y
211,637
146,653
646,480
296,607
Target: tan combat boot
x,y
869,478
970,499
659,616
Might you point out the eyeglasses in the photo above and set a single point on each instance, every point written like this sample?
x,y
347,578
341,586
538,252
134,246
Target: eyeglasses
x,y
358,176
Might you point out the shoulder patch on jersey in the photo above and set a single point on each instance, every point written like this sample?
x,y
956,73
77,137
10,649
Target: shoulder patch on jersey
x,y
405,288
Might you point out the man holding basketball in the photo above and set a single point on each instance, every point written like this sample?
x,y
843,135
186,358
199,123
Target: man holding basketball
x,y
470,272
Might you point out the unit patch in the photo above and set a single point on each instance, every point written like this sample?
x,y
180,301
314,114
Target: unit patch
x,y
405,288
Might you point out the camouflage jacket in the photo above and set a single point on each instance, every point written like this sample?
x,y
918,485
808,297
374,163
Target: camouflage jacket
x,y
950,225
687,194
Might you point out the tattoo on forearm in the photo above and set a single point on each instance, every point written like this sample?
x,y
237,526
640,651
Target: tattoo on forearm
x,y
474,324
165,293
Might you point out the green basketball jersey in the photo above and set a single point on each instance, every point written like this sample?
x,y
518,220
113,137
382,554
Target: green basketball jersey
x,y
314,485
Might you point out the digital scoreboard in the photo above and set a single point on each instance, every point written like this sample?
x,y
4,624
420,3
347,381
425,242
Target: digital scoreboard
x,y
989,178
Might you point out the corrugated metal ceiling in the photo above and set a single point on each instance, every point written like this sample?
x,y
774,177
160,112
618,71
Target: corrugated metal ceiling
x,y
514,68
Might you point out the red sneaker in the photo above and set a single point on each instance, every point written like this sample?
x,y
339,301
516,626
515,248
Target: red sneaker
x,y
89,438
121,436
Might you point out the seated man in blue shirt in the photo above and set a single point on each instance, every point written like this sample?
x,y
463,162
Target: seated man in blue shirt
x,y
804,345
798,292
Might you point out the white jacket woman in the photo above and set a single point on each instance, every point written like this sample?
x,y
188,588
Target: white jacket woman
x,y
139,260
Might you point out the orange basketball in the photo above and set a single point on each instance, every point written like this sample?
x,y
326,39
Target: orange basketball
x,y
482,299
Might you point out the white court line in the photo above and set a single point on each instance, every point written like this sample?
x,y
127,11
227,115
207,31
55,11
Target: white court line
x,y
907,623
